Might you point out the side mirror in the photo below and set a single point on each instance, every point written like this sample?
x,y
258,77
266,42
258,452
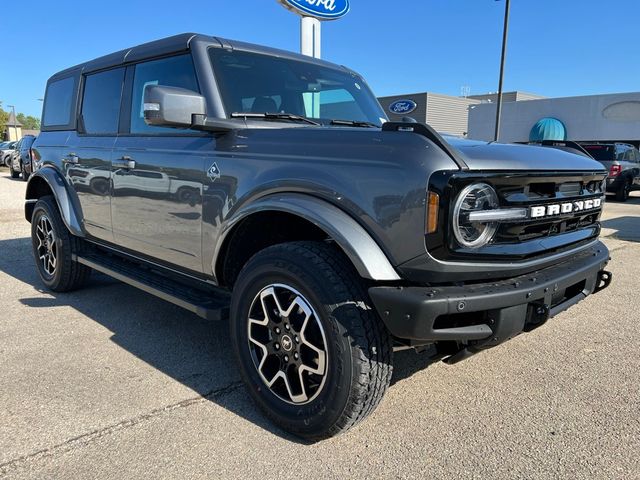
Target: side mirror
x,y
172,106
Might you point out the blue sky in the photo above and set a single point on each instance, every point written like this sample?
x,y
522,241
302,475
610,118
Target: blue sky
x,y
557,47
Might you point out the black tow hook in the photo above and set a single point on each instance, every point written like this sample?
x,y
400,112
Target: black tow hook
x,y
604,280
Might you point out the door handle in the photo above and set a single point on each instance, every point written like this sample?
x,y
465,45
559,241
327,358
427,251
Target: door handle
x,y
72,158
125,162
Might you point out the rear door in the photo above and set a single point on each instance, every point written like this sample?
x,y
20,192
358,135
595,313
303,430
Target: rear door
x,y
158,173
89,150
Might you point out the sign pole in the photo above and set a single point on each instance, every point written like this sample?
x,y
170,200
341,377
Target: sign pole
x,y
312,13
310,36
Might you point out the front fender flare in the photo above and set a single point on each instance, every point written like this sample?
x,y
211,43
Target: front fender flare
x,y
67,201
365,254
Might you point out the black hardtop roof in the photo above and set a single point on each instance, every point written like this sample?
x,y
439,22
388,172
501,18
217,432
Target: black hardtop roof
x,y
176,44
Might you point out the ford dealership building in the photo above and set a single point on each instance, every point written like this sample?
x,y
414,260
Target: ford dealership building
x,y
525,116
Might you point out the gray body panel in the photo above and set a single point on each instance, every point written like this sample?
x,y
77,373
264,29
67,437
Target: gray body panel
x,y
512,157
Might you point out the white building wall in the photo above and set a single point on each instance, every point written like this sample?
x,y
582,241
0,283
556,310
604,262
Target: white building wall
x,y
596,117
447,114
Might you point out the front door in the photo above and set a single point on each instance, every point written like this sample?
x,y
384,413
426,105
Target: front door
x,y
156,203
158,174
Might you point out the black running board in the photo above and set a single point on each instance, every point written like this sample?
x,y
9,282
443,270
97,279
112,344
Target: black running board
x,y
209,303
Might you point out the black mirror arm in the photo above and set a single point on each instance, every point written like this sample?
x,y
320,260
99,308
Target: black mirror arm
x,y
218,125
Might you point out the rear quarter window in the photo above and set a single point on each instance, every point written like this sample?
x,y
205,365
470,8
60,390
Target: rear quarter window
x,y
59,103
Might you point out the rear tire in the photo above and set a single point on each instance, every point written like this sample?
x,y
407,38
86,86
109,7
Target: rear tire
x,y
622,195
54,247
25,174
343,376
14,174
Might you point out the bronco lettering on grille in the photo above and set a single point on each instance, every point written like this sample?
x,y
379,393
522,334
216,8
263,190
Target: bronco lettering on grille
x,y
569,207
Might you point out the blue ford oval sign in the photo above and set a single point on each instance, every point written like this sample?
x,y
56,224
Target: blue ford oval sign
x,y
403,107
320,9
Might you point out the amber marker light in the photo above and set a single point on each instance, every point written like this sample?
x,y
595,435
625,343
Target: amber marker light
x,y
433,204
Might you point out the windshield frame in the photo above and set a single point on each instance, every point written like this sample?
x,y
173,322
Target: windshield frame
x,y
366,101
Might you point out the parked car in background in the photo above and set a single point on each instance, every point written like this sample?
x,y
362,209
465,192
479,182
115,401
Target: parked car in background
x,y
13,154
623,163
6,151
21,161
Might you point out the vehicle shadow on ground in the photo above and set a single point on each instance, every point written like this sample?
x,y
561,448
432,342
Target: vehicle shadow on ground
x,y
9,179
626,228
193,351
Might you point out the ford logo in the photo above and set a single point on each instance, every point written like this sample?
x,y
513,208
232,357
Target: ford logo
x,y
403,107
320,9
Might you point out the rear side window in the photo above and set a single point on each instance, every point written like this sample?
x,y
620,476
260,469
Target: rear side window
x,y
601,152
171,72
623,153
101,102
58,103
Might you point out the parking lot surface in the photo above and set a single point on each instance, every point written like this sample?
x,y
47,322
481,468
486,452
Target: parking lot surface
x,y
110,382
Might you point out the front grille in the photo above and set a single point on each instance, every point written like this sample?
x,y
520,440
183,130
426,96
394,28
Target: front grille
x,y
534,191
523,239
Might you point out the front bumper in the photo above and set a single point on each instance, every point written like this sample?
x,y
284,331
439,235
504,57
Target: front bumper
x,y
484,315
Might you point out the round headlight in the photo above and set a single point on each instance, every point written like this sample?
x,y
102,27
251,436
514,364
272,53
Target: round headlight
x,y
474,198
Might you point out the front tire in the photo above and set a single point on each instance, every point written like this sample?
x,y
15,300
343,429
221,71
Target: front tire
x,y
312,351
54,247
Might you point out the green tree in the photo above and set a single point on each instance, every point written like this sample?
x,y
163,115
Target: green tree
x,y
28,122
4,118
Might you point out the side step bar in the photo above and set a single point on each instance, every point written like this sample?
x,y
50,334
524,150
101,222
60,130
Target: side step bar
x,y
205,302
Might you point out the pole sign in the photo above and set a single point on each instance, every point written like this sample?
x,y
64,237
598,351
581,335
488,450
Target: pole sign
x,y
403,107
320,9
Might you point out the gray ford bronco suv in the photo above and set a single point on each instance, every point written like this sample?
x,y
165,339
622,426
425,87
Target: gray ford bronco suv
x,y
267,188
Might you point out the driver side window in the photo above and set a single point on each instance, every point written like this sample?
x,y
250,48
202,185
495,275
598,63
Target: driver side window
x,y
175,71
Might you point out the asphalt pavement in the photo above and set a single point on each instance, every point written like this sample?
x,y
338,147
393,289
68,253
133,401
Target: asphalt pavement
x,y
109,382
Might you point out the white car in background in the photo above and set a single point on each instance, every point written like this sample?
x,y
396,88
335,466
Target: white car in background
x,y
6,149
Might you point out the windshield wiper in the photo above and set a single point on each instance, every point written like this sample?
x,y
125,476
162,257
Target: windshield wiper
x,y
354,123
274,116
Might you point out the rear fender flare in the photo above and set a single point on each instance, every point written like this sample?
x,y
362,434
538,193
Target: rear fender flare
x,y
67,200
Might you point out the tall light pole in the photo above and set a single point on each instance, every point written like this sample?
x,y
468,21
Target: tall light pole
x,y
505,35
15,126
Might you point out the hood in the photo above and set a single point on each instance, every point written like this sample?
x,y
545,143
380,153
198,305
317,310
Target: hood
x,y
502,156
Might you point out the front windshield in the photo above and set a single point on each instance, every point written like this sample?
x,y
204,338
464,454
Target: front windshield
x,y
256,83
